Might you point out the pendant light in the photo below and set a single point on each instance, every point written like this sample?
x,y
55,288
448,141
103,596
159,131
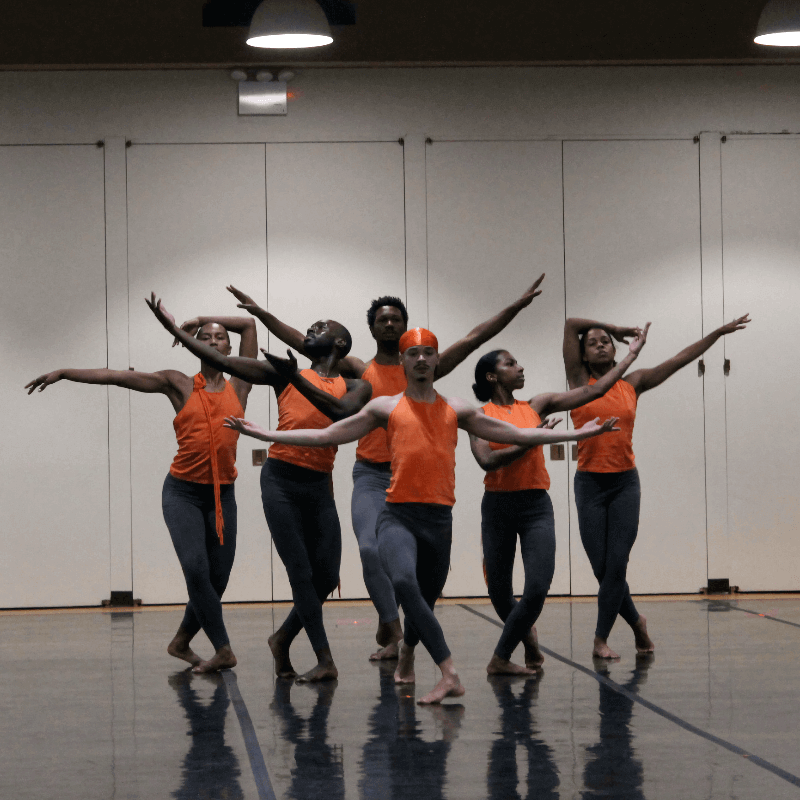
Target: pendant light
x,y
779,24
289,24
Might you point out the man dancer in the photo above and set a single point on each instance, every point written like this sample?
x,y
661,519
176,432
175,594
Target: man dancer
x,y
387,319
415,526
295,481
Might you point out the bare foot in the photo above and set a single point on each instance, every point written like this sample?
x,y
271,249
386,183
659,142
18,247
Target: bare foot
x,y
324,671
386,653
179,648
602,650
448,686
534,658
405,665
222,659
280,652
499,666
644,644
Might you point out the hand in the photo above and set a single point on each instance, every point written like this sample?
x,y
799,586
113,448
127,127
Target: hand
x,y
639,339
737,325
191,326
162,315
623,334
549,423
244,426
245,301
43,381
594,428
534,291
286,367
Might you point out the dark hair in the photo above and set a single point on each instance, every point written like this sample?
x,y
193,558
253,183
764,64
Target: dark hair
x,y
486,363
396,302
583,336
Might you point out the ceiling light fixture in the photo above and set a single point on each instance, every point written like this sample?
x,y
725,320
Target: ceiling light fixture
x,y
779,24
289,24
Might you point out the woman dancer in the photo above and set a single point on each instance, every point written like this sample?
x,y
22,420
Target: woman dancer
x,y
607,489
198,498
415,526
515,501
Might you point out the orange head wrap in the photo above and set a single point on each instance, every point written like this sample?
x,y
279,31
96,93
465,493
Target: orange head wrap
x,y
418,337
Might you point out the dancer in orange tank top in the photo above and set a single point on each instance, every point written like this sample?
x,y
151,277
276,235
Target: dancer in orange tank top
x,y
516,502
296,481
387,319
607,490
198,496
415,526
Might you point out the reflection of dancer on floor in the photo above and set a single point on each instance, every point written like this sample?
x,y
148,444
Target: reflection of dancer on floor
x,y
517,729
415,526
210,768
296,481
516,502
198,495
607,490
387,319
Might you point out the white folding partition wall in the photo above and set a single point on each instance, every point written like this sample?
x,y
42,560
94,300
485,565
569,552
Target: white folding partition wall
x,y
494,225
761,253
54,479
632,244
196,223
336,241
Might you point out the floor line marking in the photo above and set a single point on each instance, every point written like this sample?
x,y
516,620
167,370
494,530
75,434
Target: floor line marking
x,y
729,605
260,773
636,698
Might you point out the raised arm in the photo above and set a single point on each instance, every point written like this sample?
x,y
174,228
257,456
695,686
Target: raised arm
x,y
574,328
358,392
457,352
245,327
645,379
549,403
246,369
286,333
175,385
489,459
347,430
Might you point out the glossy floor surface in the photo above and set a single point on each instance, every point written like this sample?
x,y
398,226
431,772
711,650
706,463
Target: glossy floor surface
x,y
92,707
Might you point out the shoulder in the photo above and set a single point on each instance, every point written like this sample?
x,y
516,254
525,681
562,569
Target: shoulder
x,y
462,408
174,379
352,367
383,406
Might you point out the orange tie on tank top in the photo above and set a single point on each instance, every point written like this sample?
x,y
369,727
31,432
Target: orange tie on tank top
x,y
199,384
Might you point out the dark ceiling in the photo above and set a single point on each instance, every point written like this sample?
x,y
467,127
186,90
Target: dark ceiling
x,y
170,33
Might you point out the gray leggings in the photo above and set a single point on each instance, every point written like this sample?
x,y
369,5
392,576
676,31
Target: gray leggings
x,y
414,542
608,518
302,519
504,516
370,482
191,519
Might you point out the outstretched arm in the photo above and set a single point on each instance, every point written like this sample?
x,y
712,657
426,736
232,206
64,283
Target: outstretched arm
x,y
342,432
645,379
336,408
457,352
574,328
489,459
246,369
286,333
545,404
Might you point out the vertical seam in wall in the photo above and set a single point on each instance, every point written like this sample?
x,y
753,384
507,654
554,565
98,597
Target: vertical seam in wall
x,y
128,322
724,344
405,222
567,445
702,332
108,393
269,405
427,281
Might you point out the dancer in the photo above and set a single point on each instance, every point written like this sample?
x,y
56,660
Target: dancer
x,y
415,526
516,502
198,498
295,481
387,319
607,489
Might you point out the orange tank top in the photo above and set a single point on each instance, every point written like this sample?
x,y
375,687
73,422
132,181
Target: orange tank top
x,y
528,471
207,449
422,441
295,412
386,381
611,452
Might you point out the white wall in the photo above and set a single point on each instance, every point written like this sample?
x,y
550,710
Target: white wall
x,y
47,269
